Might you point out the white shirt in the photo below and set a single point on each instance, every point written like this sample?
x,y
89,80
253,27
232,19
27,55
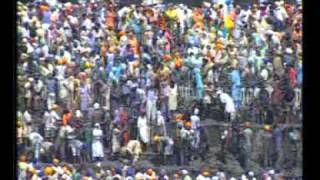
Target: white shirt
x,y
280,13
264,74
195,120
226,99
35,137
201,177
97,133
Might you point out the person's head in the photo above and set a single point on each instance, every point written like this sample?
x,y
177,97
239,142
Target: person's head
x,y
187,125
97,125
66,111
172,83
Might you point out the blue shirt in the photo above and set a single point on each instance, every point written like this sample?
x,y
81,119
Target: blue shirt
x,y
52,85
299,75
198,78
46,17
235,78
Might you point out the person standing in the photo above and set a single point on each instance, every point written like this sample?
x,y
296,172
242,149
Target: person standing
x,y
36,140
195,125
84,98
236,87
248,133
144,129
267,146
151,104
50,122
97,146
173,98
38,96
199,84
87,141
115,140
164,98
161,124
28,93
277,136
106,96
70,86
229,110
187,135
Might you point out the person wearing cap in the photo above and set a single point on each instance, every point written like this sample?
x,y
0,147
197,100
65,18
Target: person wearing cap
x,y
97,146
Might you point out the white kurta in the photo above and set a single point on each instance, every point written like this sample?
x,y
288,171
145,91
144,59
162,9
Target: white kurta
x,y
195,122
143,129
173,94
63,91
115,141
97,147
228,101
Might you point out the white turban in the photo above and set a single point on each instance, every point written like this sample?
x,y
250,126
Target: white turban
x,y
78,113
96,106
196,111
27,116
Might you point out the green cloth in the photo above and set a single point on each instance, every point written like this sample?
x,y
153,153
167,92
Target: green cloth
x,y
76,176
187,177
88,135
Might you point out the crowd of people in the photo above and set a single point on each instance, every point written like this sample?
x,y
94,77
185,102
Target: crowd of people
x,y
66,171
97,81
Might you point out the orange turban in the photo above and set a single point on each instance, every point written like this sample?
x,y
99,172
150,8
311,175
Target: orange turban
x,y
188,124
167,57
66,118
48,171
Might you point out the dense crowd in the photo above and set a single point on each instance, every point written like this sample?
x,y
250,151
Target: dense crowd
x,y
98,81
66,171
